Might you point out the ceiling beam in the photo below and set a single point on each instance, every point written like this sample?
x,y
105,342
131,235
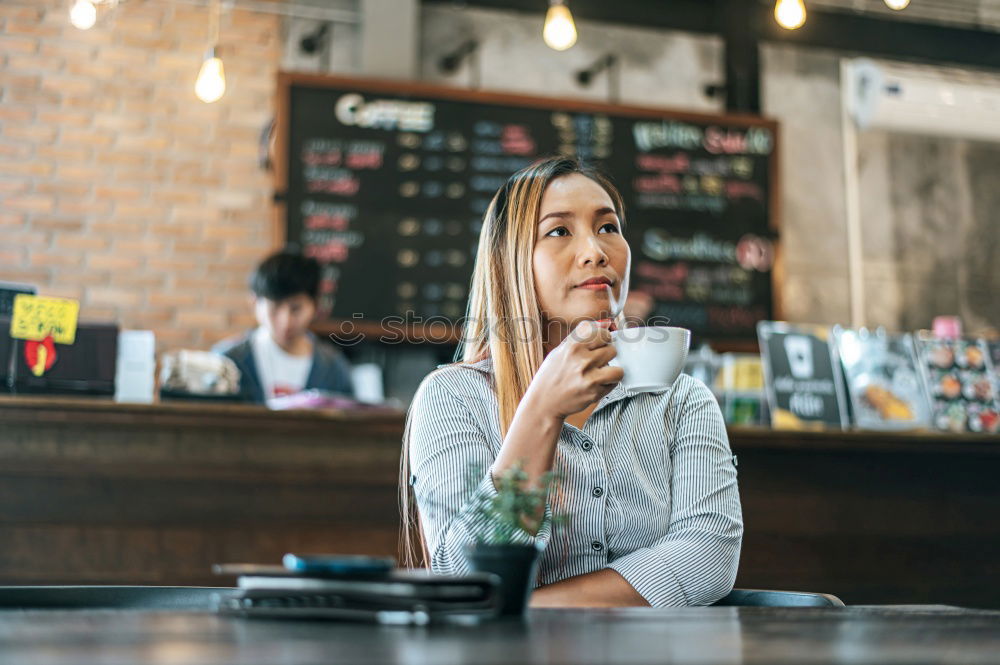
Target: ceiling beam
x,y
856,33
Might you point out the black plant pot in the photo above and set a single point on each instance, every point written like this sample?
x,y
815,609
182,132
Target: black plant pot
x,y
516,565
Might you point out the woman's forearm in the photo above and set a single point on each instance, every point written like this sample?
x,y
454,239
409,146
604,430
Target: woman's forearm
x,y
530,442
601,588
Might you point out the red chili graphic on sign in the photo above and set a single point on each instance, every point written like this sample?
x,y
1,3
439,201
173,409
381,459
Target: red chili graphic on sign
x,y
40,356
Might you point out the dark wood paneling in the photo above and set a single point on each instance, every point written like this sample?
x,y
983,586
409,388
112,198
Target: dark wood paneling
x,y
92,492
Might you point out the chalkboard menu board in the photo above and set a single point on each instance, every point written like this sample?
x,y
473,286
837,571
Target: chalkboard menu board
x,y
386,184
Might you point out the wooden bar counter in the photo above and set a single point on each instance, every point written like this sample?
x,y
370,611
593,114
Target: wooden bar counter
x,y
97,492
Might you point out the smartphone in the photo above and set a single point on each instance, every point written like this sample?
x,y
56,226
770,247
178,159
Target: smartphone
x,y
338,564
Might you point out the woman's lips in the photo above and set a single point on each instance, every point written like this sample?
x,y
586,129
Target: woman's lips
x,y
595,287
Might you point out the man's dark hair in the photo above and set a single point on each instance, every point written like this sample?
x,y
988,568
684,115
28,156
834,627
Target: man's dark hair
x,y
286,274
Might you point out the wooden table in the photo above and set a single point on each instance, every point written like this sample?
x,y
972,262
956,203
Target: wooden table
x,y
93,492
691,635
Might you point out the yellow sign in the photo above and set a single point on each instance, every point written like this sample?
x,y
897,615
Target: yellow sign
x,y
37,317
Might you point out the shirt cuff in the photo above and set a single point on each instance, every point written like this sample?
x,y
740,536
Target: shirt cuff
x,y
645,571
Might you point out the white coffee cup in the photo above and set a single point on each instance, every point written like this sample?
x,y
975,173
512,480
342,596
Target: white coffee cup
x,y
652,356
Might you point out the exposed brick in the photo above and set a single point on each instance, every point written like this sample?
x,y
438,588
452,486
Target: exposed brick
x,y
32,239
18,44
71,205
13,114
14,186
31,28
26,168
149,317
174,265
9,220
121,122
64,154
119,194
118,186
86,137
93,68
57,224
65,118
33,98
60,259
113,296
33,133
89,102
201,318
11,255
174,299
141,247
22,11
24,274
83,242
90,312
57,290
116,228
170,196
114,158
142,280
30,203
34,62
112,262
12,80
72,189
15,151
142,143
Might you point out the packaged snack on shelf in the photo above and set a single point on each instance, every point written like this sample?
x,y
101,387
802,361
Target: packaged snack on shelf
x,y
959,378
883,379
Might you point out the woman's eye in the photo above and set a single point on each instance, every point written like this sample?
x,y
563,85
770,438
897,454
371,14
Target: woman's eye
x,y
561,229
612,225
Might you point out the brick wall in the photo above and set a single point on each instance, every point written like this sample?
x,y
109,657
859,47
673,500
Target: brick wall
x,y
120,188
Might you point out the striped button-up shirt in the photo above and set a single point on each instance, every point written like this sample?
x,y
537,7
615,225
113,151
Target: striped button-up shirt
x,y
649,485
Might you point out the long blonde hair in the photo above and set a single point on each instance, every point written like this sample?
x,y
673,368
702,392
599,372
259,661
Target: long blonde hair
x,y
503,319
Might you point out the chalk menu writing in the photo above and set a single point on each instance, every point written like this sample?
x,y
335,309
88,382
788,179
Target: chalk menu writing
x,y
387,189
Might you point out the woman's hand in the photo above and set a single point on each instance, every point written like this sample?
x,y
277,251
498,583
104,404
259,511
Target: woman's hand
x,y
576,374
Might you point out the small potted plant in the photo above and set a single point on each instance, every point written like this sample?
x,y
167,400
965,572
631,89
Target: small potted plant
x,y
504,545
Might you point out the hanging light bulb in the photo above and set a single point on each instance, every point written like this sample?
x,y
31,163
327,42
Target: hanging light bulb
x,y
790,14
211,83
559,32
897,4
83,14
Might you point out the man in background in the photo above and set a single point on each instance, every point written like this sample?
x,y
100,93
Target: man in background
x,y
281,356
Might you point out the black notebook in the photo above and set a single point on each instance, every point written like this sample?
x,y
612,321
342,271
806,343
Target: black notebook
x,y
400,596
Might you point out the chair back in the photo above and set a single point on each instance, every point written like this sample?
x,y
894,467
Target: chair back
x,y
769,598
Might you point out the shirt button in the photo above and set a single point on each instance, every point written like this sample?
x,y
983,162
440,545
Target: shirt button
x,y
598,491
597,546
587,445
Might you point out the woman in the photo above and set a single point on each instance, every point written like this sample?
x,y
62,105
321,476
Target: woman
x,y
648,479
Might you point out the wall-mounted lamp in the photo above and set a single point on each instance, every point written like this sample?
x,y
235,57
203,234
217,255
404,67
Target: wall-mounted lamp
x,y
314,41
609,63
450,62
897,4
559,31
